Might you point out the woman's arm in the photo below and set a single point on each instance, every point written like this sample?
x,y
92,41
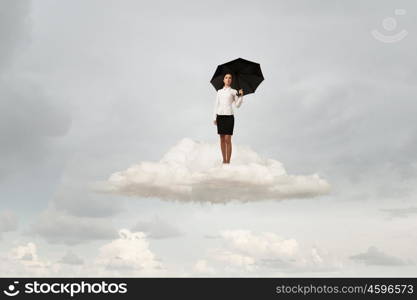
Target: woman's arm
x,y
216,103
238,99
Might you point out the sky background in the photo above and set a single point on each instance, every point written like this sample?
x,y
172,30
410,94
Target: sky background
x,y
90,88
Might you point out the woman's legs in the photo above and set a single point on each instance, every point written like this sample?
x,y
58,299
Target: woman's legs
x,y
223,146
228,142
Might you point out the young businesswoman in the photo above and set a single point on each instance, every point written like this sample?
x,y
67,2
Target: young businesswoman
x,y
223,115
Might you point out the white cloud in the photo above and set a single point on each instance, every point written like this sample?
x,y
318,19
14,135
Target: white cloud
x,y
264,243
129,255
202,266
243,248
26,253
245,253
23,260
245,262
192,171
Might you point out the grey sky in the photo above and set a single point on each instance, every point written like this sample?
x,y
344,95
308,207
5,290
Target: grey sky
x,y
89,88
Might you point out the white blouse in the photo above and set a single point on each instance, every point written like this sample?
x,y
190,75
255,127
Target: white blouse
x,y
224,99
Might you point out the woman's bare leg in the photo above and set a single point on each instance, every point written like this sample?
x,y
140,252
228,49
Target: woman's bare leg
x,y
223,146
228,142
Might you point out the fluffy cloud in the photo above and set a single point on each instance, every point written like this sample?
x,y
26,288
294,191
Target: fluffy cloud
x,y
244,252
201,266
244,262
27,253
192,171
374,256
23,260
129,255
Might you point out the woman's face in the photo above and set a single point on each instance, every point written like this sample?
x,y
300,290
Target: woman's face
x,y
227,79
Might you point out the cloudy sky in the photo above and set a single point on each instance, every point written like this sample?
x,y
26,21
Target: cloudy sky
x,y
109,160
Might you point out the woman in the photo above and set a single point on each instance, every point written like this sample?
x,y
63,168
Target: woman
x,y
223,115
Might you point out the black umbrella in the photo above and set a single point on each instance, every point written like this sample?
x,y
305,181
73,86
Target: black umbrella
x,y
246,75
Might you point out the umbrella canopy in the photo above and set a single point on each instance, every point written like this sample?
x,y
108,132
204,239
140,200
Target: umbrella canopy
x,y
246,75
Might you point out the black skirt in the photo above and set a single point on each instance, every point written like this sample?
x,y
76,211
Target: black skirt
x,y
225,124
